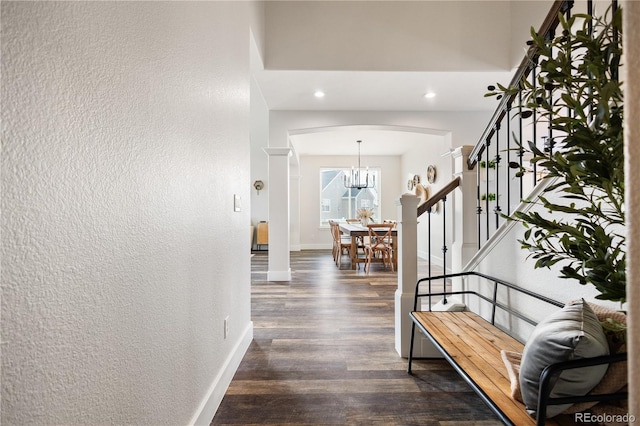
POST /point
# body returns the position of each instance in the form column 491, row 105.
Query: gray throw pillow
column 571, row 333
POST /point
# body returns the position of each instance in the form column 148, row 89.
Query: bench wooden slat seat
column 473, row 346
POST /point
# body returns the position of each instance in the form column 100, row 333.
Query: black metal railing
column 502, row 185
column 429, row 207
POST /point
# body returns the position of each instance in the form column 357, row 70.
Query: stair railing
column 498, row 151
column 429, row 207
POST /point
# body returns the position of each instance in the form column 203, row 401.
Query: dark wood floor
column 323, row 353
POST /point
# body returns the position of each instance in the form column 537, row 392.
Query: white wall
column 416, row 161
column 498, row 29
column 470, row 35
column 524, row 15
column 259, row 124
column 259, row 159
column 125, row 136
column 506, row 259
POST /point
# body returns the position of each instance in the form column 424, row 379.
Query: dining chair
column 341, row 244
column 359, row 240
column 380, row 241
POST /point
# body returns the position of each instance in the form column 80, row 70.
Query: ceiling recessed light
column 319, row 94
column 429, row 95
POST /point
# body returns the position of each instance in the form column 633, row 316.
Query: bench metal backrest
column 497, row 283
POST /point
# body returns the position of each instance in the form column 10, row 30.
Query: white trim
column 507, row 226
column 279, row 275
column 209, row 405
column 424, row 255
column 436, row 260
column 278, row 151
column 323, row 246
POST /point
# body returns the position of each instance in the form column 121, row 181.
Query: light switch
column 237, row 203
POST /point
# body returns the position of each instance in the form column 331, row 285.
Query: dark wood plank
column 324, row 353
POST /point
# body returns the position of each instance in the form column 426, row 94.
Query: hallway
column 323, row 353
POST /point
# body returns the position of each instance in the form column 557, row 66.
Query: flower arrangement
column 364, row 214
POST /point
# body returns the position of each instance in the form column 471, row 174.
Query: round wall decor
column 431, row 173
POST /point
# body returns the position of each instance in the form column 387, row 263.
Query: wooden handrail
column 548, row 26
column 446, row 190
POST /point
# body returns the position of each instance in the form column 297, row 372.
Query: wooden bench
column 472, row 346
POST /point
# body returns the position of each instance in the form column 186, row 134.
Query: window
column 340, row 203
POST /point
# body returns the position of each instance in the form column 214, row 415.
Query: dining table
column 355, row 231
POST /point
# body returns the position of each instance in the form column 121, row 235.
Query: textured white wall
column 125, row 135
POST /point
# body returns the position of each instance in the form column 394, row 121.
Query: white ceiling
column 349, row 90
column 378, row 91
column 372, row 91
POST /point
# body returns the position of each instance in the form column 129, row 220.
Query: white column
column 407, row 279
column 279, row 264
column 407, row 269
column 465, row 217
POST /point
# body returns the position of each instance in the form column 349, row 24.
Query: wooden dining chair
column 341, row 244
column 380, row 241
column 359, row 240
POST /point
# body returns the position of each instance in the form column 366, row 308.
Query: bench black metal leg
column 413, row 335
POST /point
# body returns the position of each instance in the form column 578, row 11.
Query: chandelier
column 358, row 180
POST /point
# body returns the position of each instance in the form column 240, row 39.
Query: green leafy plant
column 491, row 164
column 578, row 93
column 491, row 197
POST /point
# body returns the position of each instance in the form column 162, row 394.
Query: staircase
column 490, row 181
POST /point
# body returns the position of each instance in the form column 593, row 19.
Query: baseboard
column 211, row 402
column 423, row 254
column 279, row 275
column 315, row 246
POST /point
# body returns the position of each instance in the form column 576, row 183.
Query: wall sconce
column 258, row 185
